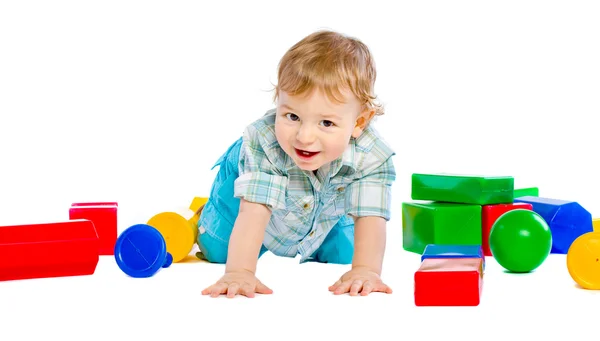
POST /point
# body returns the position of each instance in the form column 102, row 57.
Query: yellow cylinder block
column 583, row 260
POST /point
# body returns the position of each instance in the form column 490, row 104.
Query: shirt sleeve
column 260, row 181
column 371, row 194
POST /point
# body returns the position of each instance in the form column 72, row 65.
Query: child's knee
column 213, row 250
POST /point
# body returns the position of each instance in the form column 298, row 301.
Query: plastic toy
column 439, row 223
column 583, row 260
column 596, row 224
column 178, row 230
column 195, row 206
column 520, row 240
column 452, row 251
column 523, row 192
column 463, row 189
column 140, row 251
column 567, row 220
column 104, row 217
column 56, row 249
column 489, row 215
column 449, row 282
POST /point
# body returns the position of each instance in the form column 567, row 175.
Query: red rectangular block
column 489, row 215
column 104, row 217
column 48, row 250
column 449, row 282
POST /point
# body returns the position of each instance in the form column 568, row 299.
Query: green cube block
column 440, row 223
column 463, row 189
column 526, row 192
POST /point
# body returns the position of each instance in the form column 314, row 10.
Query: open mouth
column 305, row 154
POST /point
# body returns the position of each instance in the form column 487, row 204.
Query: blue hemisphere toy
column 140, row 251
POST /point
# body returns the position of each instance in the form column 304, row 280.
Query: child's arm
column 247, row 236
column 369, row 243
column 242, row 254
column 369, row 203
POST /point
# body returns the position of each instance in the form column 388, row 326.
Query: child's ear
column 362, row 121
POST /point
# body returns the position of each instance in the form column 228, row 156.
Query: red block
column 48, row 250
column 449, row 282
column 489, row 215
column 104, row 217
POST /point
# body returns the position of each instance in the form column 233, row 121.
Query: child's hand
column 237, row 282
column 359, row 279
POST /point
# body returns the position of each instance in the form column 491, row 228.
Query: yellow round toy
column 177, row 229
column 583, row 260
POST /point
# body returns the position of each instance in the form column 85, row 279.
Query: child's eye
column 327, row 123
column 291, row 116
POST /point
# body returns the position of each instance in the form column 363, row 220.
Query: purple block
column 567, row 220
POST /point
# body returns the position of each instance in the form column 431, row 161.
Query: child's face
column 313, row 130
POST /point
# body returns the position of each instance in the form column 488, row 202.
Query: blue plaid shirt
column 305, row 206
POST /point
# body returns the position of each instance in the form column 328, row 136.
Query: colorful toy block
column 463, row 189
column 596, row 224
column 453, row 251
column 582, row 261
column 426, row 223
column 104, row 217
column 567, row 220
column 141, row 251
column 197, row 202
column 489, row 215
column 57, row 249
column 449, row 282
column 524, row 192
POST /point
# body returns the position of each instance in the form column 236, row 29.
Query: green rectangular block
column 439, row 223
column 526, row 192
column 463, row 189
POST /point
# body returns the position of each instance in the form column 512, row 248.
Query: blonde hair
column 329, row 61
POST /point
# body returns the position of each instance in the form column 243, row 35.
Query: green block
column 463, row 189
column 439, row 223
column 526, row 192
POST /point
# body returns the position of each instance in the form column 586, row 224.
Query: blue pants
column 220, row 212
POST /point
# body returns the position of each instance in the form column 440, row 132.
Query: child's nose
column 305, row 135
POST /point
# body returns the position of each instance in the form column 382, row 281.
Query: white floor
column 545, row 303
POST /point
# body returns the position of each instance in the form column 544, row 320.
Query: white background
column 133, row 101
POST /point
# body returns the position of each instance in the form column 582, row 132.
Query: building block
column 426, row 223
column 453, row 251
column 141, row 251
column 463, row 189
column 178, row 229
column 567, row 220
column 596, row 224
column 198, row 202
column 449, row 282
column 56, row 249
column 195, row 205
column 582, row 261
column 104, row 217
column 489, row 215
column 524, row 192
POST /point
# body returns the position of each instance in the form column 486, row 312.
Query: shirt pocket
column 335, row 206
column 300, row 210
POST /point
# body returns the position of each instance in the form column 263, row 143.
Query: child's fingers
column 356, row 287
column 335, row 285
column 263, row 289
column 247, row 290
column 367, row 288
column 344, row 287
column 232, row 290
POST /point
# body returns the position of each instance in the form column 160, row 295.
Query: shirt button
column 306, row 206
column 340, row 189
column 311, row 233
